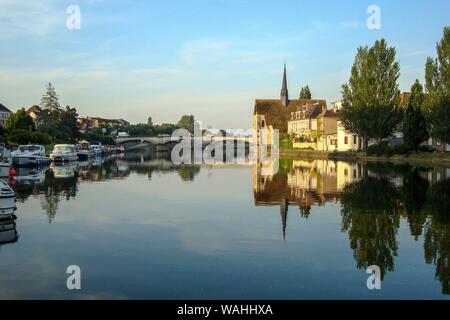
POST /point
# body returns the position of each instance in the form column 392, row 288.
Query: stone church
column 271, row 114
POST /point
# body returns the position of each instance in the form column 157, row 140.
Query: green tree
column 437, row 104
column 50, row 99
column 414, row 125
column 19, row 120
column 305, row 93
column 69, row 123
column 187, row 122
column 371, row 98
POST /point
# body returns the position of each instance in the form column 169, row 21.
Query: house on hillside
column 4, row 114
column 34, row 112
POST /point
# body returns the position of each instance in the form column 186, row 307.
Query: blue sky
column 134, row 59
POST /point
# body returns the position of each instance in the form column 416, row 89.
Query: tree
column 19, row 120
column 414, row 125
column 69, row 123
column 187, row 122
column 150, row 121
column 50, row 98
column 437, row 103
column 371, row 98
column 305, row 93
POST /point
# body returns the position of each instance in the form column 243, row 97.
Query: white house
column 4, row 113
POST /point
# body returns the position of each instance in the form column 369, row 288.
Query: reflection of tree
column 437, row 232
column 188, row 172
column 370, row 215
column 305, row 211
column 53, row 189
column 414, row 193
column 23, row 191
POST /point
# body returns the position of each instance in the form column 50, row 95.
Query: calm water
column 143, row 228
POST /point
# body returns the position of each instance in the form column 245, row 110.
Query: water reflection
column 372, row 202
column 374, row 198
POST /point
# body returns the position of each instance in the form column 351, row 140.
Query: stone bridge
column 139, row 142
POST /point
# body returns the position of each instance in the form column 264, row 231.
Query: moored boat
column 29, row 156
column 64, row 153
column 7, row 200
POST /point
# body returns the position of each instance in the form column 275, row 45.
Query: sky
column 209, row 58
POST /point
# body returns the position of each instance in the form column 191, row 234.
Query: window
column 355, row 140
column 346, row 172
column 346, row 140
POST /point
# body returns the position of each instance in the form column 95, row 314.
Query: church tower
column 284, row 96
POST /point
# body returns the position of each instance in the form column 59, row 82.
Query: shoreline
column 413, row 159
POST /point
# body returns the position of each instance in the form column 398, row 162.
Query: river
column 140, row 227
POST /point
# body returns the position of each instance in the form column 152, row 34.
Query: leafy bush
column 40, row 138
column 382, row 149
column 400, row 149
column 425, row 149
column 20, row 136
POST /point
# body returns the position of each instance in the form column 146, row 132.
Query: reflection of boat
column 84, row 151
column 8, row 232
column 4, row 169
column 96, row 149
column 7, row 200
column 5, row 162
column 30, row 174
column 64, row 171
column 64, row 153
column 29, row 156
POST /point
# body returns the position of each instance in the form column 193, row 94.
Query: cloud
column 29, row 18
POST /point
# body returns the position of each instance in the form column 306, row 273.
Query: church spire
column 284, row 96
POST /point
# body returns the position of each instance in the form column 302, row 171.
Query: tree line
column 60, row 125
column 371, row 98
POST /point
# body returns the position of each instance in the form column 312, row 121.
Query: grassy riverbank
column 412, row 158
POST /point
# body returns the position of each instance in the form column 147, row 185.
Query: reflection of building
column 303, row 184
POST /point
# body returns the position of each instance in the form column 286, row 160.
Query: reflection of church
column 304, row 184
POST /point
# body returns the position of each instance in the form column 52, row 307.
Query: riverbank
column 436, row 158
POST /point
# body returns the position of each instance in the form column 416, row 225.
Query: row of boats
column 36, row 155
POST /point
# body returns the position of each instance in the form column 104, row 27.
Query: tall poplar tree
column 371, row 98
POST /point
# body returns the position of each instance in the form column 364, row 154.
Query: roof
column 277, row 115
column 331, row 114
column 404, row 98
column 4, row 109
column 36, row 109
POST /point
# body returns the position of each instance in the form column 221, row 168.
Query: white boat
column 64, row 153
column 29, row 156
column 7, row 200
